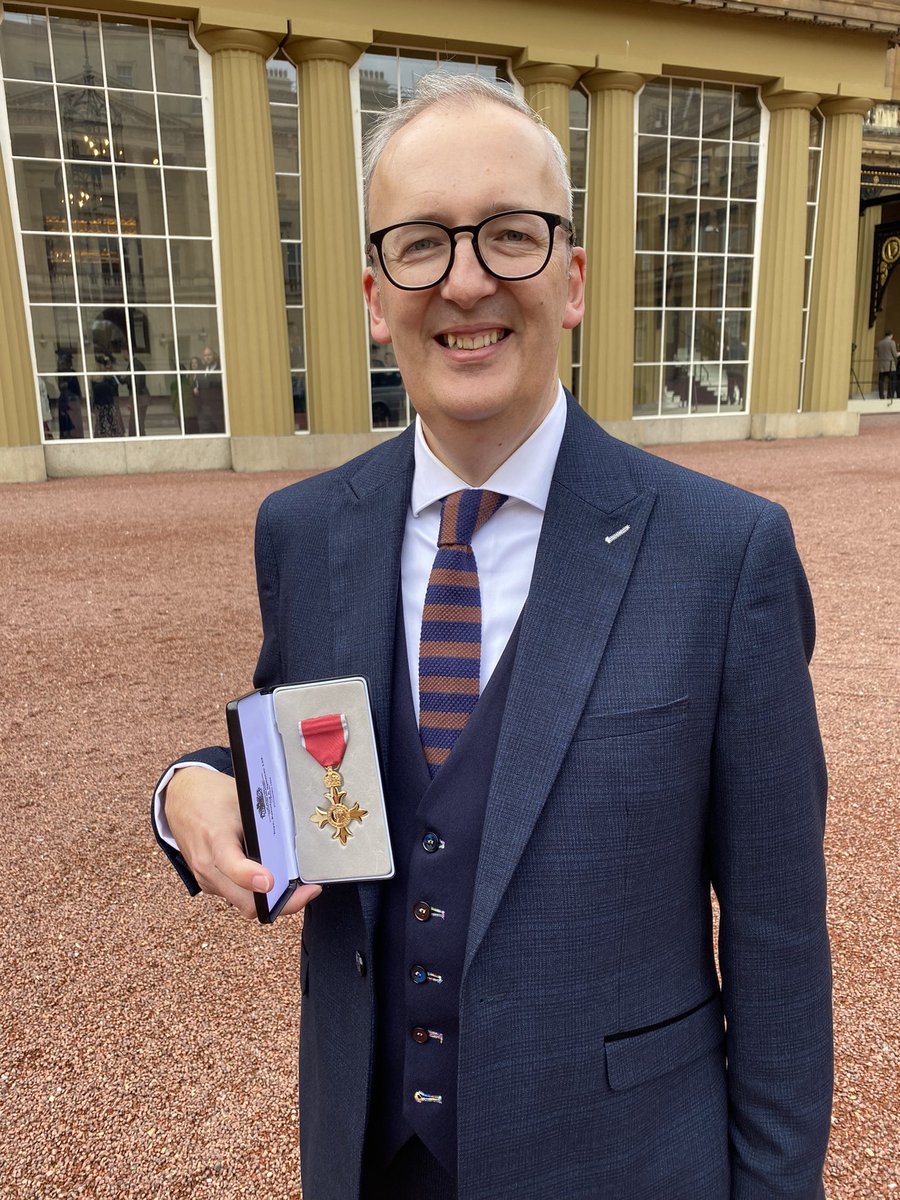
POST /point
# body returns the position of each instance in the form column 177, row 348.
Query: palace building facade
column 181, row 229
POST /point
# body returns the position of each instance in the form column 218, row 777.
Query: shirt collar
column 525, row 475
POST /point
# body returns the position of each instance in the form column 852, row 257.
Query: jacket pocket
column 640, row 720
column 634, row 1058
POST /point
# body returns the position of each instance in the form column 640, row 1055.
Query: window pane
column 32, row 120
column 85, row 123
column 714, row 169
column 685, row 110
column 647, row 336
column 742, row 222
column 578, row 156
column 712, row 226
column 744, row 168
column 98, row 268
column 296, row 338
column 293, row 277
column 578, row 108
column 187, row 202
column 140, row 200
column 813, row 175
column 378, row 74
column 126, row 48
column 677, row 335
column 739, row 282
column 192, row 272
column 682, row 225
column 717, row 112
column 285, row 136
column 746, row 115
column 578, row 217
column 651, row 216
column 653, row 108
column 646, row 391
column 48, row 268
column 649, row 273
column 146, row 270
column 24, row 48
column 134, row 131
column 196, row 328
column 388, row 400
column 651, row 172
column 684, row 167
column 412, row 68
column 680, row 280
column 76, row 50
column 282, row 80
column 56, row 334
column 288, row 189
column 181, row 130
column 710, row 282
column 175, row 60
column 737, row 340
column 708, row 335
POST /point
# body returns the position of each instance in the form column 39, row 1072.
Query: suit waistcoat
column 436, row 835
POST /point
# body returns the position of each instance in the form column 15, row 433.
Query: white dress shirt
column 504, row 549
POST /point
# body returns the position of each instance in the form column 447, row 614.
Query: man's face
column 208, row 357
column 458, row 165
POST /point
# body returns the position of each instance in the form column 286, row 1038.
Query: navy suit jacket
column 659, row 739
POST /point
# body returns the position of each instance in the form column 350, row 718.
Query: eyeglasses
column 510, row 245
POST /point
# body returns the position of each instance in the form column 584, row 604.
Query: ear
column 377, row 319
column 575, row 300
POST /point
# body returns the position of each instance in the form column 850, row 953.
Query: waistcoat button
column 418, row 974
column 431, row 842
column 420, row 1035
column 422, row 911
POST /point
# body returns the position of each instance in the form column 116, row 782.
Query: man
column 207, row 392
column 531, row 1007
column 886, row 353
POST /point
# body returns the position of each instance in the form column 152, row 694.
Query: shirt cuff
column 159, row 801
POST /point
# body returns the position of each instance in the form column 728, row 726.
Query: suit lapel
column 366, row 536
column 592, row 530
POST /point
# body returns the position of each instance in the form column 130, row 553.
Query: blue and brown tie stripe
column 450, row 648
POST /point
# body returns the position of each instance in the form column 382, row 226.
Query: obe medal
column 325, row 739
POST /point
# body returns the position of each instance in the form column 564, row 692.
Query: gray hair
column 438, row 89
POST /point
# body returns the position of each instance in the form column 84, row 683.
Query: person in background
column 886, row 355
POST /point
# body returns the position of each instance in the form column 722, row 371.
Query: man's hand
column 203, row 815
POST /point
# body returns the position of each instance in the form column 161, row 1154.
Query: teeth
column 455, row 342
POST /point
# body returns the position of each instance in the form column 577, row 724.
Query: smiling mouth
column 476, row 341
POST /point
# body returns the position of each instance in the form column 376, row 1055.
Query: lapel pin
column 612, row 537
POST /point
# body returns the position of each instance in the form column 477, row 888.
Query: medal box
column 309, row 785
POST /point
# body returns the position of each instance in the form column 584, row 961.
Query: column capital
column 216, row 38
column 613, row 81
column 777, row 98
column 535, row 73
column 303, row 49
column 838, row 106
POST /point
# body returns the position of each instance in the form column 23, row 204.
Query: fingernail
column 260, row 883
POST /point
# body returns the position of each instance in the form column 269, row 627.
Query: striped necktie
column 450, row 649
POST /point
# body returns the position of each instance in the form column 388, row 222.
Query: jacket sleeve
column 767, row 866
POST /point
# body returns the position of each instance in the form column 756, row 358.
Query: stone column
column 255, row 351
column 21, row 455
column 828, row 343
column 337, row 363
column 547, row 87
column 607, row 372
column 863, row 360
column 779, row 308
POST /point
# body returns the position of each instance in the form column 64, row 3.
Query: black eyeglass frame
column 554, row 222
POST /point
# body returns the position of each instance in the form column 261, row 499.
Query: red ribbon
column 325, row 738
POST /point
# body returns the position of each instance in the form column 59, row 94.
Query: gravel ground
column 148, row 1042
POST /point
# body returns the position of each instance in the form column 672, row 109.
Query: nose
column 467, row 282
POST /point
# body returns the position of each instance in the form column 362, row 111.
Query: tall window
column 108, row 145
column 697, row 183
column 816, row 128
column 579, row 116
column 388, row 76
column 286, row 134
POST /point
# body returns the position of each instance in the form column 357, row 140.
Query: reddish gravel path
column 147, row 1043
